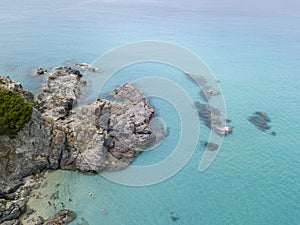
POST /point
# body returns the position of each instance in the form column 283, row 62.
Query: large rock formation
column 104, row 134
column 29, row 151
column 60, row 92
column 90, row 138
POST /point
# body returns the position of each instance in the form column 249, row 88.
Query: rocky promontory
column 60, row 134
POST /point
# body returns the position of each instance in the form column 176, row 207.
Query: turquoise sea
column 253, row 49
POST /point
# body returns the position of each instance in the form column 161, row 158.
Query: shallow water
column 255, row 177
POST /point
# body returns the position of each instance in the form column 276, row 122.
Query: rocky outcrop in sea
column 210, row 116
column 261, row 121
column 90, row 138
column 62, row 217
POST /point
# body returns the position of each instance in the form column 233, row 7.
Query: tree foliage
column 14, row 112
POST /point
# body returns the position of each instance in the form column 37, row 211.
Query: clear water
column 254, row 50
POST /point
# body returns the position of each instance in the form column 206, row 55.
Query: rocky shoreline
column 103, row 135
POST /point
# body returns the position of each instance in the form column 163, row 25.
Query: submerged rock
column 174, row 217
column 203, row 96
column 211, row 146
column 211, row 118
column 83, row 222
column 198, row 79
column 260, row 120
column 55, row 195
column 206, row 91
column 209, row 115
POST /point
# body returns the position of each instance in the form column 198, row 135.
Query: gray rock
column 40, row 71
column 57, row 148
column 12, row 209
column 104, row 132
column 9, row 187
column 11, row 222
column 7, row 83
column 87, row 138
column 91, row 138
column 60, row 93
column 62, row 217
column 128, row 92
column 28, row 152
column 86, row 67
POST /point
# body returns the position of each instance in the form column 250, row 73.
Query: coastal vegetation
column 15, row 112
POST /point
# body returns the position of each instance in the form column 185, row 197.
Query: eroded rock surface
column 62, row 217
column 90, row 138
column 60, row 92
column 102, row 133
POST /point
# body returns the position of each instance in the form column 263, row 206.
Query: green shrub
column 14, row 112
